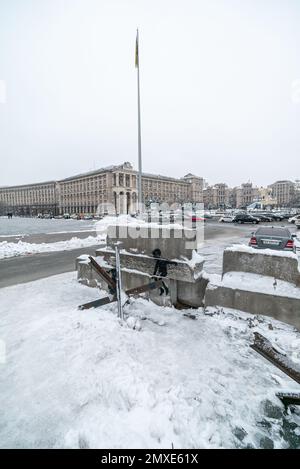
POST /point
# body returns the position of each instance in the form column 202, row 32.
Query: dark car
column 263, row 218
column 275, row 216
column 273, row 237
column 283, row 215
column 245, row 218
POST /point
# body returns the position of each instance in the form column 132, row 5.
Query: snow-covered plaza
column 77, row 379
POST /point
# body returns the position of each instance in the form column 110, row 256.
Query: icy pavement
column 212, row 253
column 81, row 379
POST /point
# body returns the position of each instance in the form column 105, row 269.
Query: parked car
column 226, row 219
column 297, row 223
column 263, row 218
column 273, row 237
column 274, row 216
column 294, row 219
column 284, row 215
column 245, row 218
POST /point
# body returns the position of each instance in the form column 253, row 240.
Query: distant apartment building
column 221, row 196
column 283, row 192
column 113, row 186
column 29, row 199
column 297, row 193
column 157, row 188
column 245, row 195
column 216, row 196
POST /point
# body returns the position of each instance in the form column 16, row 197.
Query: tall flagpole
column 137, row 64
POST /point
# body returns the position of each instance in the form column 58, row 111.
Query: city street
column 149, row 228
column 24, row 269
column 30, row 267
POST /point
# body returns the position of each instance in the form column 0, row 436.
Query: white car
column 294, row 219
column 226, row 219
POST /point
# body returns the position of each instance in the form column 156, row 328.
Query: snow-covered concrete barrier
column 259, row 282
column 85, row 273
column 257, row 295
column 173, row 241
column 281, row 265
column 184, row 280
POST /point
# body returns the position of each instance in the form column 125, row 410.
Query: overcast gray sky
column 220, row 84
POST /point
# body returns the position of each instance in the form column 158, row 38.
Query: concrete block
column 282, row 308
column 145, row 264
column 138, row 269
column 85, row 274
column 173, row 242
column 276, row 266
column 192, row 293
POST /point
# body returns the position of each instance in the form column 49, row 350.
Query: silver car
column 273, row 237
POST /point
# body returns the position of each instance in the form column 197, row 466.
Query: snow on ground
column 254, row 283
column 28, row 226
column 21, row 248
column 128, row 220
column 265, row 252
column 212, row 252
column 81, row 379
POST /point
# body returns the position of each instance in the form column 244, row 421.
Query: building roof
column 94, row 172
column 20, row 186
column 166, row 178
column 125, row 166
column 282, row 182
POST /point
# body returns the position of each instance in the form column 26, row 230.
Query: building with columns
column 113, row 187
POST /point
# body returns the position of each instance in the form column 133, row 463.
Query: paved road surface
column 32, row 267
column 38, row 238
column 27, row 268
